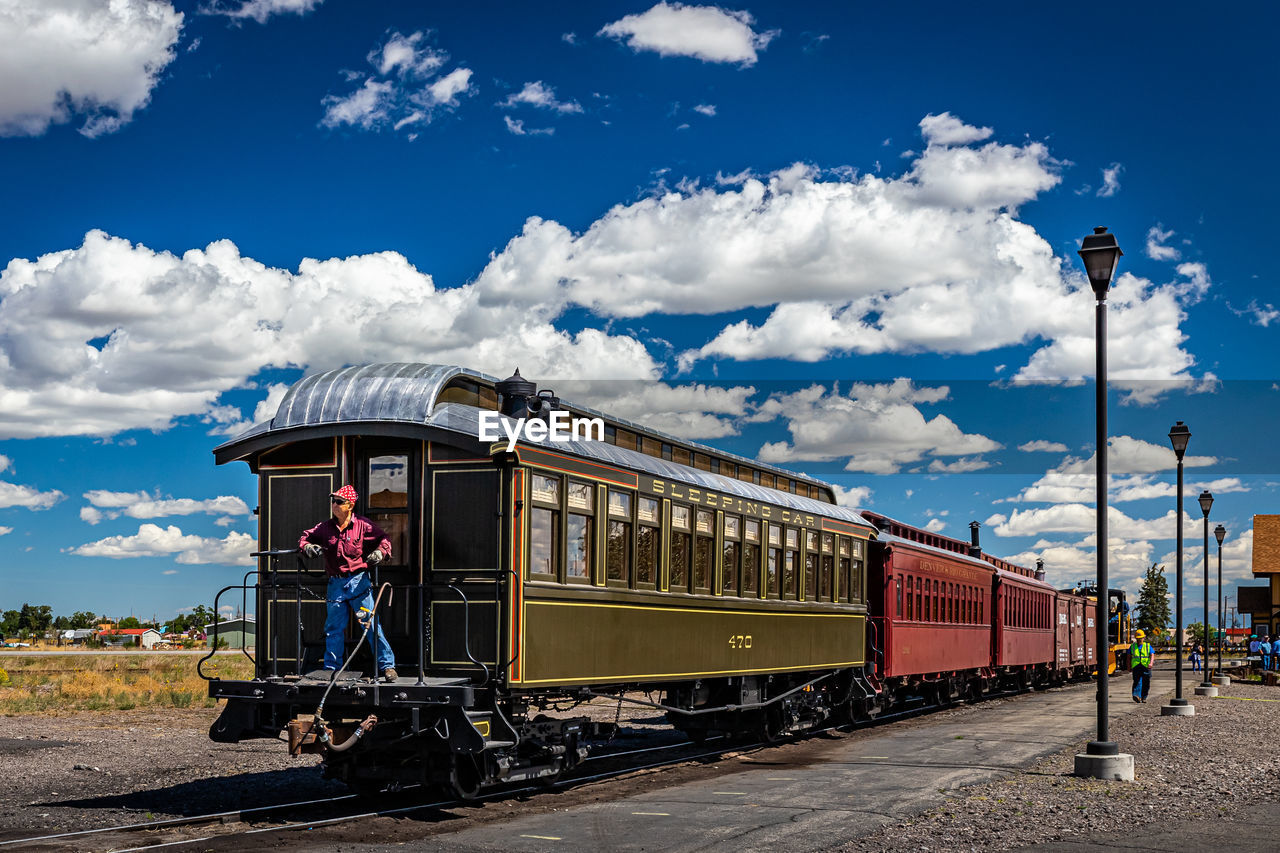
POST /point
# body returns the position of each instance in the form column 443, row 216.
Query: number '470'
column 740, row 641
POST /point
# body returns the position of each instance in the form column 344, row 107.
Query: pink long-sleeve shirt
column 344, row 550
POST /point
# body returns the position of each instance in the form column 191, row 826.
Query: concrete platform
column 891, row 773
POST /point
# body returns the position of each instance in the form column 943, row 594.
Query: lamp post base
column 1174, row 709
column 1115, row 768
column 1222, row 680
column 1207, row 690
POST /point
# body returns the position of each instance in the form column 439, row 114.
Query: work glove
column 374, row 558
column 311, row 549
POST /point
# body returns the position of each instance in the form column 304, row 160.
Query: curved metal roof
column 406, row 393
column 370, row 392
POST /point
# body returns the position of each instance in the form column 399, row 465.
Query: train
column 557, row 565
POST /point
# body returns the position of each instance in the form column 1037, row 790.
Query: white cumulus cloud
column 1157, row 237
column 709, row 33
column 113, row 336
column 539, row 94
column 406, row 87
column 259, row 10
column 878, row 427
column 151, row 540
column 107, row 504
column 77, row 59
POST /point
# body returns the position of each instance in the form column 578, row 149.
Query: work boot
column 389, row 675
column 1136, row 699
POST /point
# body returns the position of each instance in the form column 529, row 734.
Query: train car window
column 790, row 569
column 647, row 510
column 919, row 615
column 933, row 611
column 703, row 551
column 578, row 564
column 792, row 486
column 648, row 543
column 702, row 461
column 470, row 393
column 667, row 451
column 714, row 466
column 897, row 587
column 775, row 534
column 619, row 504
column 681, row 549
column 581, row 496
column 650, row 446
column 388, row 502
column 825, row 577
column 810, row 590
column 755, row 477
column 544, row 543
column 617, row 561
column 681, row 456
column 544, row 527
column 745, row 474
column 731, row 556
column 750, row 557
column 856, row 592
column 768, row 481
column 844, row 578
column 610, row 434
column 625, row 438
column 773, row 572
column 545, row 489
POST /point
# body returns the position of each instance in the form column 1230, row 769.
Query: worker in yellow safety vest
column 1140, row 658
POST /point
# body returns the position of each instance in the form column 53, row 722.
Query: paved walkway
column 895, row 772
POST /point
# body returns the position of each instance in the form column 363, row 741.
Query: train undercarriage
column 461, row 740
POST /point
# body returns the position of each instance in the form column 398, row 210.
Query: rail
column 303, row 583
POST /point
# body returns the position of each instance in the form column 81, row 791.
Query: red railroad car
column 937, row 610
column 1025, row 614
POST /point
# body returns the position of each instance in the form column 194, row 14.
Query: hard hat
column 1139, row 633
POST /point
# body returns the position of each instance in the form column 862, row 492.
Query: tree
column 9, row 623
column 1195, row 632
column 129, row 622
column 83, row 619
column 1153, row 602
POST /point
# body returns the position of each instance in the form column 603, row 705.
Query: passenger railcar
column 529, row 572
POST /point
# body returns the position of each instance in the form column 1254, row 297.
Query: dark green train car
column 531, row 570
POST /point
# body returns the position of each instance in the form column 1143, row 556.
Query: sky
column 835, row 237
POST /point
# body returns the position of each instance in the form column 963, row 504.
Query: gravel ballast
column 1210, row 766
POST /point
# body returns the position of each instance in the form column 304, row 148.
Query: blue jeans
column 351, row 591
column 1141, row 682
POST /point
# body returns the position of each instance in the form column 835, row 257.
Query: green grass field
column 34, row 684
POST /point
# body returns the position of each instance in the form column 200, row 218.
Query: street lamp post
column 1220, row 533
column 1101, row 253
column 1179, row 437
column 1206, row 687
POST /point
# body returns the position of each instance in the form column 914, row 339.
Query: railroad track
column 244, row 823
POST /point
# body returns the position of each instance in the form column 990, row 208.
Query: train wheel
column 770, row 729
column 465, row 778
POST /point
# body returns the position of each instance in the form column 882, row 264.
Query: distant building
column 1263, row 602
column 76, row 636
column 239, row 633
column 143, row 637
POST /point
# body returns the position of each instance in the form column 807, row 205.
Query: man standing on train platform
column 1141, row 656
column 350, row 544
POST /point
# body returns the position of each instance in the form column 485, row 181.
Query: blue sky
column 838, row 238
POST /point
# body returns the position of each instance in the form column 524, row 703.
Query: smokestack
column 975, row 550
column 1039, row 569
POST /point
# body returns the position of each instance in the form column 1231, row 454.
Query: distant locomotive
column 527, row 572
